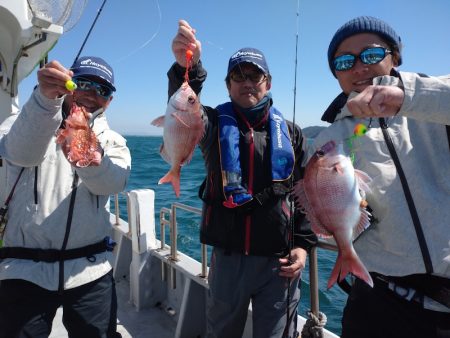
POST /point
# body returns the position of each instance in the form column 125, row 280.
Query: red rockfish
column 183, row 129
column 78, row 138
column 331, row 194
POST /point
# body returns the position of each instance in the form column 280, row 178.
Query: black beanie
column 363, row 24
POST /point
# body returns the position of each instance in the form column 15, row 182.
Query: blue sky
column 135, row 38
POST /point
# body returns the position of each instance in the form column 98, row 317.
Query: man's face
column 248, row 85
column 361, row 75
column 88, row 95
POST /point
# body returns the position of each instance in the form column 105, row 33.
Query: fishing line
column 149, row 40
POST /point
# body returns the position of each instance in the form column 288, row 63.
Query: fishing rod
column 289, row 316
column 90, row 30
column 70, row 85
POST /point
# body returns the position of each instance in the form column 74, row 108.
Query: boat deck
column 149, row 322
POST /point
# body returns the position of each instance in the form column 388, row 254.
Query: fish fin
column 164, row 155
column 349, row 263
column 317, row 226
column 363, row 224
column 177, row 117
column 159, row 121
column 173, row 177
column 303, row 204
column 188, row 158
column 363, row 180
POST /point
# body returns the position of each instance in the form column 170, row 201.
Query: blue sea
column 148, row 167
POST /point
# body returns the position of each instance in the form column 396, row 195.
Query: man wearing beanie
column 56, row 247
column 249, row 161
column 406, row 153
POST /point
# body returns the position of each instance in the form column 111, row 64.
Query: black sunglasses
column 368, row 56
column 255, row 77
column 85, row 85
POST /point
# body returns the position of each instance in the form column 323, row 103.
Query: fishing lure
column 189, row 55
column 70, row 85
column 359, row 130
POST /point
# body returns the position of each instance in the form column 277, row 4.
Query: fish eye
column 320, row 153
column 191, row 99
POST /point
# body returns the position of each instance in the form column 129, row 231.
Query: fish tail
column 173, row 177
column 349, row 264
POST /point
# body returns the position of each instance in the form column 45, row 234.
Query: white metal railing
column 168, row 217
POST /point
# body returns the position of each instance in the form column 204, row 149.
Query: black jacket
column 269, row 211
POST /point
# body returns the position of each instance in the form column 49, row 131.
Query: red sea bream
column 183, row 129
column 331, row 194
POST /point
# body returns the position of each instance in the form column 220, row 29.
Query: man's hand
column 376, row 101
column 184, row 40
column 52, row 80
column 294, row 268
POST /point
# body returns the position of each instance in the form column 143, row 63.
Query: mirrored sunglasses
column 368, row 56
column 85, row 85
column 255, row 77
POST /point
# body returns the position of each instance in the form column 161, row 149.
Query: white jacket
column 39, row 208
column 418, row 131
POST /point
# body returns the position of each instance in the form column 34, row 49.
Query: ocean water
column 148, row 167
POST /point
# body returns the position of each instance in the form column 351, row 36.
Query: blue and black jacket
column 260, row 227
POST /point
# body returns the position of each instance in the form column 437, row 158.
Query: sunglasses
column 255, row 77
column 369, row 56
column 85, row 85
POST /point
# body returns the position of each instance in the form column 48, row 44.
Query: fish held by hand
column 332, row 196
column 77, row 139
column 183, row 129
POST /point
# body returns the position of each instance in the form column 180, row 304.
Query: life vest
column 281, row 152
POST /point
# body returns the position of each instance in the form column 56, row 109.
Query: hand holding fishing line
column 376, row 101
column 185, row 40
column 55, row 80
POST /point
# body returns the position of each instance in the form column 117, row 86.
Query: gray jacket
column 38, row 212
column 418, row 131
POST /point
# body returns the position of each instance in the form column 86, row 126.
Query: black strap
column 55, row 255
column 66, row 235
column 409, row 199
column 434, row 287
column 4, row 208
column 448, row 136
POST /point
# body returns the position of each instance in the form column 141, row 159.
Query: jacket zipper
column 248, row 218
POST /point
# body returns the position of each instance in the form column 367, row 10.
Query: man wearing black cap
column 56, row 250
column 246, row 217
column 406, row 152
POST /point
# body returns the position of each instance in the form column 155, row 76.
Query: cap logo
column 90, row 63
column 245, row 53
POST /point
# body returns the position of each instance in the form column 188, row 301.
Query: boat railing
column 168, row 217
column 173, row 228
